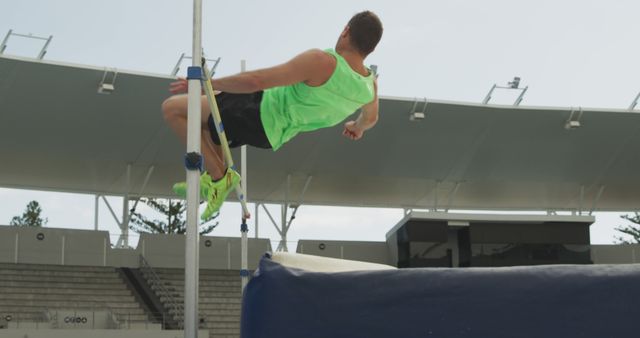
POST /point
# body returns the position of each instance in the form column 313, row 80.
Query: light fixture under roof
column 573, row 122
column 414, row 114
column 108, row 83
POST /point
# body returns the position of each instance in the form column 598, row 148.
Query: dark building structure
column 479, row 240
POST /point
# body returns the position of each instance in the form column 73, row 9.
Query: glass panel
column 429, row 254
column 509, row 254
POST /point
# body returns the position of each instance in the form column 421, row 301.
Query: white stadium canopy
column 58, row 133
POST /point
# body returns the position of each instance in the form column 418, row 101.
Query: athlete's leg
column 175, row 114
column 218, row 149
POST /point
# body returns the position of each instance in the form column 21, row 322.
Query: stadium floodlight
column 515, row 84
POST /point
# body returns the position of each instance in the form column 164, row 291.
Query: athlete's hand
column 352, row 131
column 179, row 87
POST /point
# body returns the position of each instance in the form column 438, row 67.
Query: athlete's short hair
column 365, row 31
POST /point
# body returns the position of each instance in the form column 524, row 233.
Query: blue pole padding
column 194, row 73
column 194, row 161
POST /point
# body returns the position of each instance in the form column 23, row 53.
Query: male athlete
column 268, row 107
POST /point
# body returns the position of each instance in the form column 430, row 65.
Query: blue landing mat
column 538, row 302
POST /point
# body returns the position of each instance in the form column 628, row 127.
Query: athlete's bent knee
column 171, row 108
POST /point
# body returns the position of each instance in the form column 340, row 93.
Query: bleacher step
column 52, row 267
column 62, row 285
column 94, row 274
column 63, row 291
column 66, row 297
column 64, row 279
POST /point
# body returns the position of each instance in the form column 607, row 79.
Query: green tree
column 31, row 217
column 173, row 218
column 630, row 230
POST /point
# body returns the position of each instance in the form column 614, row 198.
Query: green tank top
column 288, row 110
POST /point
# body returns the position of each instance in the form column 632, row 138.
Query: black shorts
column 241, row 120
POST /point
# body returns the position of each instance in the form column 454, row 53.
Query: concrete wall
column 374, row 252
column 7, row 245
column 53, row 246
column 167, row 251
column 93, row 248
column 60, row 333
column 125, row 258
column 615, row 254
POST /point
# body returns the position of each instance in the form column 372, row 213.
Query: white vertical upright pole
column 16, row 248
column 95, row 214
column 244, row 273
column 62, row 251
column 125, row 208
column 104, row 251
column 228, row 255
column 125, row 221
column 193, row 184
column 243, row 149
column 255, row 224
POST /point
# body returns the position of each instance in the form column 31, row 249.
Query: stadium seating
column 33, row 293
column 219, row 301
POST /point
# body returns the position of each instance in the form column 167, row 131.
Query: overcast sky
column 569, row 53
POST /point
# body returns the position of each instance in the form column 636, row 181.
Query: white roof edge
column 88, row 67
column 499, row 218
column 337, row 241
column 318, row 203
column 447, row 216
column 393, row 98
column 503, row 106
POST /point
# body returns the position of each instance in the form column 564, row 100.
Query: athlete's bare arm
column 366, row 120
column 313, row 67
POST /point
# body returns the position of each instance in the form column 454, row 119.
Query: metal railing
column 43, row 51
column 158, row 286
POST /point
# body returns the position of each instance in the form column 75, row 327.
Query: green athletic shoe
column 180, row 188
column 218, row 192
